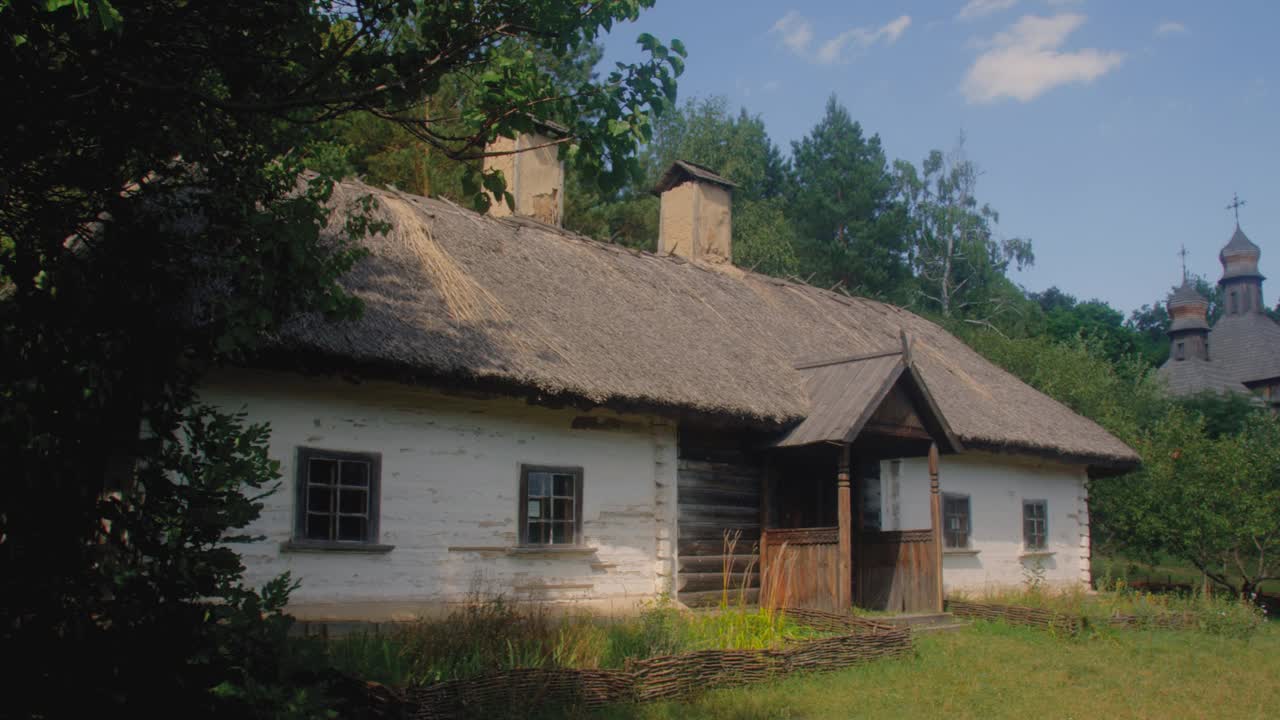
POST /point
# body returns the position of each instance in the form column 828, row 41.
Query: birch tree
column 959, row 262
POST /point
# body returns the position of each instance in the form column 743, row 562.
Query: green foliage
column 1214, row 501
column 852, row 229
column 152, row 227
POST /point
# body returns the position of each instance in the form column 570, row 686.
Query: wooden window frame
column 968, row 521
column 373, row 513
column 1027, row 543
column 523, row 509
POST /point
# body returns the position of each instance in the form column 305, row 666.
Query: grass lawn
column 995, row 671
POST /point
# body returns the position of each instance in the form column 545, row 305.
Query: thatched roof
column 511, row 302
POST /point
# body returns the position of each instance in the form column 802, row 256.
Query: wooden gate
column 896, row 571
column 799, row 568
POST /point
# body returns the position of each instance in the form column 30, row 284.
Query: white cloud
column 795, row 31
column 1170, row 27
column 981, row 8
column 1025, row 61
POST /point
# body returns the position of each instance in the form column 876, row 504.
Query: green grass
column 995, row 671
column 494, row 635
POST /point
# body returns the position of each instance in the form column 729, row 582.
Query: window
column 550, row 505
column 1035, row 524
column 337, row 496
column 1235, row 302
column 955, row 521
column 1181, row 352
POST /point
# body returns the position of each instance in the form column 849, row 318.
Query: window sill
column 551, row 550
column 1037, row 553
column 964, row 552
column 334, row 547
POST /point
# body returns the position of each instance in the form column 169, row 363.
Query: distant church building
column 1241, row 352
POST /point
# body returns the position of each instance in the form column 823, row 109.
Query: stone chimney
column 534, row 174
column 695, row 220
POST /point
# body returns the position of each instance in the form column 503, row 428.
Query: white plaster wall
column 450, row 475
column 996, row 486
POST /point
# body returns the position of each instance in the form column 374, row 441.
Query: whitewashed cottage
column 526, row 411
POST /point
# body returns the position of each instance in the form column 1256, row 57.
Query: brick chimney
column 534, row 174
column 695, row 220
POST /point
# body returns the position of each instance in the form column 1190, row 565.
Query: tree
column 1066, row 318
column 960, row 265
column 152, row 227
column 1212, row 501
column 384, row 153
column 852, row 230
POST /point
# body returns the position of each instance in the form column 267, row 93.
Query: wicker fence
column 1018, row 615
column 1068, row 624
column 521, row 692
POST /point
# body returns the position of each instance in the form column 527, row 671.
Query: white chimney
column 534, row 175
column 695, row 219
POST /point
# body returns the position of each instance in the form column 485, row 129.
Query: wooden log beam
column 935, row 511
column 844, row 562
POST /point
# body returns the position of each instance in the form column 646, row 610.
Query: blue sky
column 1110, row 133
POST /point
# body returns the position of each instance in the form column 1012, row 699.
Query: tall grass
column 1214, row 614
column 493, row 634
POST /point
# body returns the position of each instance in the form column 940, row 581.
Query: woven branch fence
column 1018, row 615
column 1068, row 624
column 521, row 692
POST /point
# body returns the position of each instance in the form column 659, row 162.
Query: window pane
column 539, row 484
column 353, row 501
column 534, row 509
column 355, row 473
column 351, row 528
column 564, row 485
column 537, row 533
column 562, row 532
column 321, row 472
column 317, row 527
column 562, row 509
column 319, row 499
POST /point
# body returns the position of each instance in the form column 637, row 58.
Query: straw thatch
column 513, row 303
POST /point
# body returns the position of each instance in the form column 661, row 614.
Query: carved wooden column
column 935, row 507
column 844, row 566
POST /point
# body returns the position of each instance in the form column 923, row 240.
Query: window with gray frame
column 550, row 505
column 1035, row 524
column 337, row 496
column 955, row 521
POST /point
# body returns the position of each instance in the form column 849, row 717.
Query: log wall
column 718, row 489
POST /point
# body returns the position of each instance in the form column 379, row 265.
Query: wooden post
column 935, row 506
column 844, row 564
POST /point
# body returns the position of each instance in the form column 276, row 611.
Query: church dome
column 1188, row 308
column 1240, row 257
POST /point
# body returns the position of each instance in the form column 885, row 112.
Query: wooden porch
column 835, row 567
column 809, row 514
